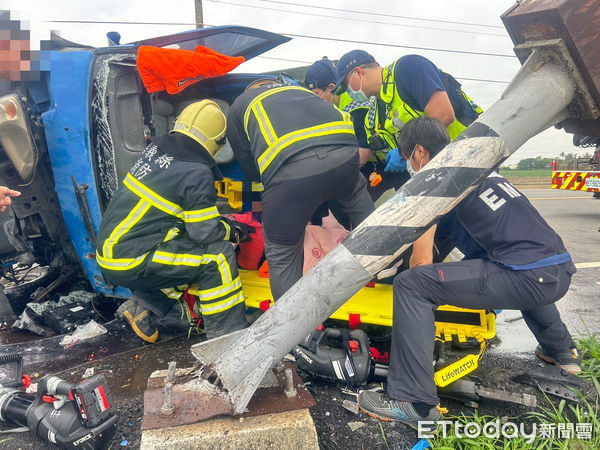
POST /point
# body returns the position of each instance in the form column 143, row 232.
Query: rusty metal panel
column 577, row 22
column 195, row 406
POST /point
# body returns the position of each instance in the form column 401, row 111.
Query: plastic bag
column 87, row 331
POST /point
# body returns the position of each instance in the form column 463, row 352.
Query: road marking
column 560, row 198
column 587, row 265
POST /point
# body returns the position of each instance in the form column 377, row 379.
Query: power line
column 458, row 78
column 351, row 19
column 385, row 15
column 304, row 36
column 484, row 80
column 294, row 35
column 113, row 22
column 443, row 50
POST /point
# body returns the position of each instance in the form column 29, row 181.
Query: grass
column 590, row 355
column 541, row 173
column 585, row 412
column 384, row 438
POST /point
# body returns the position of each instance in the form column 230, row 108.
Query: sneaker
column 139, row 319
column 381, row 406
column 568, row 359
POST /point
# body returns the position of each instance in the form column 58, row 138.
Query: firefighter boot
column 139, row 319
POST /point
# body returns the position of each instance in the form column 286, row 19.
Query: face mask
column 357, row 96
column 322, row 96
column 412, row 172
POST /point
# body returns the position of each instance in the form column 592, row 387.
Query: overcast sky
column 481, row 31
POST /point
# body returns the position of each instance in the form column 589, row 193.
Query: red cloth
column 251, row 252
column 174, row 70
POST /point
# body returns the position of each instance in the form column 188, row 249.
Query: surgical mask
column 322, row 96
column 357, row 96
column 412, row 172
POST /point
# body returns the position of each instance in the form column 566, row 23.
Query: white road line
column 587, row 265
column 560, row 198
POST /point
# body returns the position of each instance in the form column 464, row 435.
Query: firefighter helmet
column 205, row 123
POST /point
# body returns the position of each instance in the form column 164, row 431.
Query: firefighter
column 304, row 152
column 513, row 260
column 410, row 87
column 162, row 230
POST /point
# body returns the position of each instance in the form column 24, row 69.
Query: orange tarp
column 173, row 70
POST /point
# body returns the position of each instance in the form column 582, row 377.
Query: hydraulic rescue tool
column 68, row 415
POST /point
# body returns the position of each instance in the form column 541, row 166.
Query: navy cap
column 320, row 74
column 347, row 63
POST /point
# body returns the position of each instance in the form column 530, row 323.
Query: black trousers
column 388, row 180
column 291, row 198
column 475, row 284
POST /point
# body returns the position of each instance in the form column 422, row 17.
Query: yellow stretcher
column 373, row 305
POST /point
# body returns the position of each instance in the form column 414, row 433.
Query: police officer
column 304, row 152
column 162, row 230
column 410, row 87
column 514, row 260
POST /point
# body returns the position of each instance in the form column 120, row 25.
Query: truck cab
column 67, row 141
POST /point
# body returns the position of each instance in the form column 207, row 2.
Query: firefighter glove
column 240, row 232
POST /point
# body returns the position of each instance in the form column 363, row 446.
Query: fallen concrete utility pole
column 552, row 85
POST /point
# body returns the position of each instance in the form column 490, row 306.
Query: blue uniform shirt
column 497, row 223
column 417, row 79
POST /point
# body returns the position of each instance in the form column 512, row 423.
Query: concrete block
column 289, row 429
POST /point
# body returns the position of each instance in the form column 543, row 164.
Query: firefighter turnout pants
column 166, row 272
column 475, row 284
column 295, row 193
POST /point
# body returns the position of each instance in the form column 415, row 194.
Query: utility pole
column 199, row 15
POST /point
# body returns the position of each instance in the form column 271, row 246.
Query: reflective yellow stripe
column 568, row 180
column 119, row 263
column 167, row 206
column 187, row 259
column 209, row 294
column 201, row 214
column 171, row 293
column 227, row 230
column 266, row 94
column 224, row 305
column 257, row 186
column 265, row 124
column 306, row 133
column 152, row 197
column 172, row 234
column 132, row 218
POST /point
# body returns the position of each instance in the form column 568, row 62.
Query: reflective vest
column 398, row 112
column 345, row 100
column 284, row 121
column 348, row 105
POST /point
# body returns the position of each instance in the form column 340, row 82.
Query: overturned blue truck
column 67, row 141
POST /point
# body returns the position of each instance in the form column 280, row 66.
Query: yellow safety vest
column 398, row 112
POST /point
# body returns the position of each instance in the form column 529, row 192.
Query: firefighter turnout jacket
column 268, row 125
column 162, row 231
column 161, row 197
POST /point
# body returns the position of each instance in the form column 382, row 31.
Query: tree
column 535, row 163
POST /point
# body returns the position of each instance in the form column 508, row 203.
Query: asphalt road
column 576, row 218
